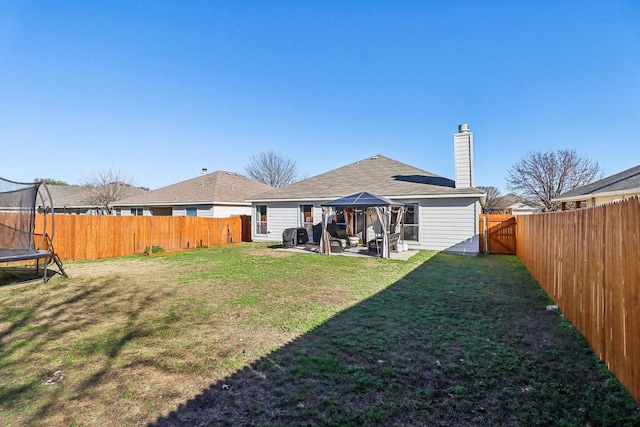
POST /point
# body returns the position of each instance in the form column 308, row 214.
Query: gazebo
column 375, row 220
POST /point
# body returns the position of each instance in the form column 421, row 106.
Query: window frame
column 306, row 220
column 415, row 225
column 261, row 220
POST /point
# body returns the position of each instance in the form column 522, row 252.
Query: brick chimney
column 463, row 154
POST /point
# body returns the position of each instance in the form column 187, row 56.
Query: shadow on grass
column 458, row 341
column 31, row 328
column 23, row 335
column 11, row 276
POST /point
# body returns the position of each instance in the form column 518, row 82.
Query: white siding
column 279, row 218
column 597, row 201
column 463, row 154
column 205, row 211
column 317, row 218
column 449, row 225
column 225, row 211
column 127, row 211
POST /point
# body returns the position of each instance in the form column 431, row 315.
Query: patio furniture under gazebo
column 388, row 231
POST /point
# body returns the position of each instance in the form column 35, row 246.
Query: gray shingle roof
column 76, row 196
column 379, row 175
column 215, row 187
column 623, row 181
column 67, row 195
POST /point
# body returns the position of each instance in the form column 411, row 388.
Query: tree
column 106, row 187
column 50, row 181
column 539, row 177
column 273, row 169
column 493, row 197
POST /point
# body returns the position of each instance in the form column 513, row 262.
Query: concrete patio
column 359, row 251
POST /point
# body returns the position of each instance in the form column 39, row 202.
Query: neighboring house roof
column 506, row 201
column 218, row 187
column 524, row 207
column 76, row 196
column 513, row 201
column 378, row 175
column 625, row 182
column 67, row 195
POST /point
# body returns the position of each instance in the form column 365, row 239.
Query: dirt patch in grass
column 247, row 335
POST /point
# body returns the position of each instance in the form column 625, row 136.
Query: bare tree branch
column 273, row 169
column 539, row 177
column 106, row 187
column 493, row 196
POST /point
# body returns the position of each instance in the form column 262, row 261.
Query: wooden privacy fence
column 497, row 234
column 80, row 237
column 587, row 260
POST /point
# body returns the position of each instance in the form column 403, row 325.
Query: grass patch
column 246, row 334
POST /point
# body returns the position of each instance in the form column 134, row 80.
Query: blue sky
column 160, row 89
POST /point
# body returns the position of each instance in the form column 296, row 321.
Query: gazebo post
column 324, row 240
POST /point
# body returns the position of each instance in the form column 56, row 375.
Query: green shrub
column 154, row 250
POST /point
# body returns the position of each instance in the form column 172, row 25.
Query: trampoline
column 19, row 239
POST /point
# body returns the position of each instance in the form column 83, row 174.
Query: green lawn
column 247, row 334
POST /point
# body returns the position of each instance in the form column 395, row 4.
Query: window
column 306, row 215
column 192, row 211
column 118, row 211
column 261, row 219
column 136, row 211
column 411, row 221
column 306, row 219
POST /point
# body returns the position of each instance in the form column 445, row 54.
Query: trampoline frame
column 48, row 254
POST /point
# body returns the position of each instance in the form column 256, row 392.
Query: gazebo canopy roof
column 362, row 199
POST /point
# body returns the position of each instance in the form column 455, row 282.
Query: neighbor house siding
column 127, row 211
column 449, row 225
column 600, row 200
column 225, row 211
column 205, row 211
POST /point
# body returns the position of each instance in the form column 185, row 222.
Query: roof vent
column 374, row 158
column 204, row 171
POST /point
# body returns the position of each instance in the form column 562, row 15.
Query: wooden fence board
column 500, row 234
column 84, row 237
column 587, row 261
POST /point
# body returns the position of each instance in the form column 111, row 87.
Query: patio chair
column 337, row 238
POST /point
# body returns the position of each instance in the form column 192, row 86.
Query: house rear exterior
column 441, row 214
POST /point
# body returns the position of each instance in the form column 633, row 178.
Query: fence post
column 486, row 232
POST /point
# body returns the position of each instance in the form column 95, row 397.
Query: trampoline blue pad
column 10, row 255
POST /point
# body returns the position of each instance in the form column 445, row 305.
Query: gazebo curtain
column 324, row 241
column 384, row 218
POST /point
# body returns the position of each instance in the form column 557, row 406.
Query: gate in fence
column 497, row 234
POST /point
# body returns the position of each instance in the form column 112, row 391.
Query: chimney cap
column 463, row 127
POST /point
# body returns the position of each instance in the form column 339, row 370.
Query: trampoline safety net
column 17, row 217
column 19, row 203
